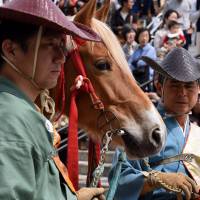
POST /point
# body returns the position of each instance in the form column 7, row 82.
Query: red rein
column 82, row 83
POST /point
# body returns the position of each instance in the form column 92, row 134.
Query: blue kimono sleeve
column 151, row 53
column 131, row 179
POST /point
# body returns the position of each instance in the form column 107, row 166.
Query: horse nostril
column 155, row 137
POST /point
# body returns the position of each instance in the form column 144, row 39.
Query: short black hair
column 173, row 23
column 17, row 32
column 127, row 29
column 121, row 2
column 139, row 31
column 20, row 33
column 161, row 79
column 169, row 12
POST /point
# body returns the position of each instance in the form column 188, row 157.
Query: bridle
column 107, row 122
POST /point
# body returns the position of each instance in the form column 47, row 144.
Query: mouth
column 181, row 102
column 55, row 72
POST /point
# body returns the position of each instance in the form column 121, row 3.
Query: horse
column 108, row 70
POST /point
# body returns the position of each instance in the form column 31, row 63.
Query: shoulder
column 195, row 127
column 149, row 47
column 19, row 119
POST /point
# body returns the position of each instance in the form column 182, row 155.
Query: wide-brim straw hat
column 178, row 64
column 47, row 14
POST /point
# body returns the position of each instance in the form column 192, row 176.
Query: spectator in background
column 130, row 43
column 121, row 17
column 144, row 9
column 174, row 38
column 198, row 28
column 195, row 116
column 67, row 6
column 160, row 34
column 139, row 68
column 70, row 7
column 184, row 8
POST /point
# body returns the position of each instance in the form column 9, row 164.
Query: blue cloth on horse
column 131, row 180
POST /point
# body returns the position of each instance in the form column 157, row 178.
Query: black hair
column 172, row 23
column 168, row 13
column 161, row 79
column 20, row 33
column 17, row 32
column 139, row 31
column 121, row 2
column 127, row 29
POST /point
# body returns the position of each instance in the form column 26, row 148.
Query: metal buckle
column 188, row 157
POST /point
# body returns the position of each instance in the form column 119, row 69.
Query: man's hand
column 179, row 180
column 90, row 194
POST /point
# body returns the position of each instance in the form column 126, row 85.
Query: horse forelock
column 112, row 44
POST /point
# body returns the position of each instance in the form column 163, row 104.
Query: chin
column 50, row 85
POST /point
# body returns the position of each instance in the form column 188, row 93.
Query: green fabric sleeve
column 17, row 170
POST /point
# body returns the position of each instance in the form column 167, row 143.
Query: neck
column 23, row 84
column 181, row 120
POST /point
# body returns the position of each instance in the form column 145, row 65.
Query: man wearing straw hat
column 174, row 173
column 32, row 38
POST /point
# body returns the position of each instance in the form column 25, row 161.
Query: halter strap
column 82, row 83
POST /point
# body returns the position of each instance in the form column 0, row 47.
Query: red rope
column 72, row 149
column 72, row 154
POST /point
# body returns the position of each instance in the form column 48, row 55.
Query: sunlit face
column 49, row 60
column 179, row 97
column 130, row 37
column 143, row 38
column 172, row 17
column 175, row 29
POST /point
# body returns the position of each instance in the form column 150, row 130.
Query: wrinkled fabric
column 27, row 170
column 131, row 180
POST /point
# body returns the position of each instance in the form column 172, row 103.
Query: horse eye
column 103, row 65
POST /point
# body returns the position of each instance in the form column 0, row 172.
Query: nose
column 155, row 137
column 60, row 56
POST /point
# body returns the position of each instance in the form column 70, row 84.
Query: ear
column 159, row 88
column 102, row 13
column 8, row 49
column 85, row 15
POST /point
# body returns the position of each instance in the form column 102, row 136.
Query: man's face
column 130, row 37
column 49, row 60
column 179, row 97
column 143, row 38
column 129, row 4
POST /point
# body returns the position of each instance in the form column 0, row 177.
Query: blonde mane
column 112, row 43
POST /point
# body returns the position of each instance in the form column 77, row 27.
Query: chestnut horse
column 108, row 70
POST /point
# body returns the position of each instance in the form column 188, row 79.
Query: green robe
column 27, row 170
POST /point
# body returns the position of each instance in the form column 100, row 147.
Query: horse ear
column 85, row 15
column 102, row 13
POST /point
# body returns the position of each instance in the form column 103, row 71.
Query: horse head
column 108, row 70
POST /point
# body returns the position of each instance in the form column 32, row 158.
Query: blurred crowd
column 149, row 28
column 134, row 22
